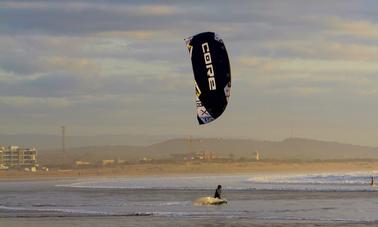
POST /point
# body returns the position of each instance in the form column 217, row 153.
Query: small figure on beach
column 372, row 183
column 218, row 192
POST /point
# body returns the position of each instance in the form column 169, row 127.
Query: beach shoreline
column 195, row 168
column 162, row 221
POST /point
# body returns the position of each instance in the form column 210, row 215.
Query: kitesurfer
column 372, row 183
column 218, row 192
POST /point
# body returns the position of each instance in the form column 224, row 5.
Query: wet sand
column 159, row 221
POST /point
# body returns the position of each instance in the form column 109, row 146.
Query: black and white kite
column 212, row 75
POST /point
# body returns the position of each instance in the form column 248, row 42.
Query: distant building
column 145, row 160
column 194, row 156
column 16, row 157
column 80, row 163
column 120, row 161
column 107, row 162
column 31, row 169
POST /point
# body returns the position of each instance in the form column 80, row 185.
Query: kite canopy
column 212, row 75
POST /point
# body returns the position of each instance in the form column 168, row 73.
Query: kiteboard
column 209, row 201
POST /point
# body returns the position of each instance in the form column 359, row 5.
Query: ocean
column 333, row 199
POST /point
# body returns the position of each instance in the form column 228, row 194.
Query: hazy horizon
column 45, row 142
column 299, row 69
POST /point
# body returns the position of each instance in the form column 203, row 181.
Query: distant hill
column 289, row 149
column 50, row 142
column 293, row 148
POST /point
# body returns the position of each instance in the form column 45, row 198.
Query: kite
column 212, row 74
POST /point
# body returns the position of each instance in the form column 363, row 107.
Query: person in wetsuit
column 218, row 192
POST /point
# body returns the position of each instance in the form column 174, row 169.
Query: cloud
column 131, row 34
column 81, row 66
column 355, row 28
column 322, row 49
column 299, row 77
column 23, row 102
column 299, row 65
column 144, row 10
column 157, row 10
column 83, row 17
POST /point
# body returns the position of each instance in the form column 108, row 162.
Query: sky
column 299, row 68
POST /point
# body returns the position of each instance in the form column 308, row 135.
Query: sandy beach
column 152, row 169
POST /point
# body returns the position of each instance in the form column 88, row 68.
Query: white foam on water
column 351, row 178
column 351, row 181
column 162, row 183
